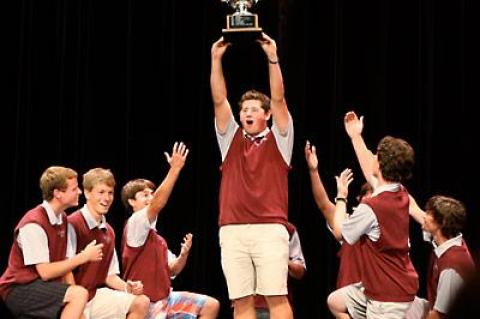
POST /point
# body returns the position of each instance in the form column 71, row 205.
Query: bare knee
column 275, row 301
column 77, row 294
column 336, row 302
column 140, row 305
column 279, row 307
column 211, row 308
column 244, row 307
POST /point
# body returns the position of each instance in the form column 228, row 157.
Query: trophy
column 242, row 25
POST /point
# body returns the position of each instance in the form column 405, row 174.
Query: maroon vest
column 17, row 272
column 349, row 269
column 457, row 258
column 387, row 271
column 92, row 275
column 149, row 264
column 254, row 186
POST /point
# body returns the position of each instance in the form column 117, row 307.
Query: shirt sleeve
column 284, row 141
column 171, row 256
column 224, row 139
column 34, row 243
column 362, row 222
column 138, row 227
column 295, row 250
column 449, row 283
column 71, row 241
column 114, row 268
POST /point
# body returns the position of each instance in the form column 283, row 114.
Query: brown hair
column 132, row 187
column 55, row 177
column 364, row 190
column 449, row 213
column 255, row 95
column 96, row 176
column 396, row 159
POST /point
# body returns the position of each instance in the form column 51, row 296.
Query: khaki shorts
column 361, row 307
column 255, row 259
column 108, row 304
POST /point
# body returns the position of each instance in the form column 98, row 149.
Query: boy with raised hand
column 253, row 199
column 389, row 281
column 145, row 254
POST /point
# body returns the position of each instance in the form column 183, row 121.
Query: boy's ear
column 268, row 115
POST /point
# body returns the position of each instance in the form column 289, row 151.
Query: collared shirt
column 439, row 250
column 449, row 282
column 363, row 220
column 257, row 137
column 33, row 241
column 114, row 268
column 284, row 141
column 138, row 228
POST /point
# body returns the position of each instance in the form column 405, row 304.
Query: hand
column 219, row 48
column 353, row 125
column 186, row 245
column 92, row 252
column 269, row 47
column 134, row 287
column 179, row 155
column 311, row 156
column 345, row 178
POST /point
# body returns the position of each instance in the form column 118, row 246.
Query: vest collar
column 92, row 223
column 392, row 187
column 257, row 137
column 440, row 250
column 52, row 217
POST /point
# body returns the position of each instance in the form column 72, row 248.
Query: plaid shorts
column 179, row 304
column 38, row 299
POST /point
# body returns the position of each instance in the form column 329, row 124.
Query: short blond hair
column 55, row 177
column 98, row 176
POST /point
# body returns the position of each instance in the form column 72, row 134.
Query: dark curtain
column 115, row 84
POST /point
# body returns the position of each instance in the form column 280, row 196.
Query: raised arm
column 354, row 128
column 343, row 181
column 278, row 104
column 415, row 211
column 218, row 87
column 162, row 193
column 319, row 193
column 176, row 266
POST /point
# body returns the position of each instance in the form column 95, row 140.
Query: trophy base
column 242, row 35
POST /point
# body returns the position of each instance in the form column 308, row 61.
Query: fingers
column 92, row 243
column 266, row 38
column 167, row 156
column 350, row 116
column 346, row 176
column 221, row 43
column 309, row 148
column 175, row 147
column 188, row 237
column 178, row 149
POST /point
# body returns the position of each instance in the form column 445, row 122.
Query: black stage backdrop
column 115, row 84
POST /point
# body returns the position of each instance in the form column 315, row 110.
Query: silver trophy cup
column 241, row 25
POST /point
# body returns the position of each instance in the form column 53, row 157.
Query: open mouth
column 249, row 122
